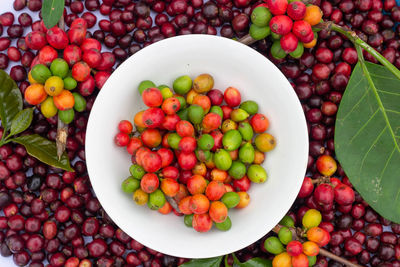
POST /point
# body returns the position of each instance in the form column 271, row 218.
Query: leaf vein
column 383, row 77
column 369, row 150
column 393, row 111
column 354, row 107
column 387, row 92
column 363, row 127
column 387, row 163
column 379, row 100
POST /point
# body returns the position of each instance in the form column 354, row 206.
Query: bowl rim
column 192, row 38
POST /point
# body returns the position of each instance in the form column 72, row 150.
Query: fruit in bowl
column 192, row 154
column 231, row 64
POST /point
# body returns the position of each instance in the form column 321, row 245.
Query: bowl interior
column 231, row 64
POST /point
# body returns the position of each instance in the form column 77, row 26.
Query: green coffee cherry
column 250, row 107
column 196, row 114
column 230, row 199
column 261, row 16
column 166, row 92
column 277, row 51
column 222, row 160
column 183, row 114
column 80, row 102
column 217, row 110
column 144, row 85
column 257, row 174
column 173, row 140
column 239, row 115
column 182, row 101
column 285, row 235
column 137, row 171
column 246, row 131
column 188, row 220
column 66, row 116
column 59, row 67
column 232, row 140
column 225, row 225
column 205, row 142
column 259, row 33
column 40, row 73
column 156, row 200
column 275, row 36
column 287, row 221
column 182, row 84
column 299, row 51
column 237, row 170
column 312, row 260
column 130, row 185
column 246, row 153
column 70, row 83
column 273, row 245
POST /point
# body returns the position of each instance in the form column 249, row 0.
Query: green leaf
column 10, row 100
column 226, row 261
column 367, row 136
column 254, row 262
column 52, row 10
column 44, row 150
column 21, row 121
column 210, row 262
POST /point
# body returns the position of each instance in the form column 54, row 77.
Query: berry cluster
column 51, row 86
column 181, row 153
column 289, row 24
column 296, row 253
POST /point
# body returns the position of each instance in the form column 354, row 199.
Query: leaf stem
column 357, row 41
column 62, row 128
column 351, row 35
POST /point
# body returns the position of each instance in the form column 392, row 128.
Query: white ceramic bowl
column 231, row 64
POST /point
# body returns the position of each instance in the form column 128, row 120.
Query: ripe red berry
column 296, row 10
column 289, row 42
column 152, row 97
column 277, row 7
column 294, row 248
column 344, row 195
column 302, row 30
column 121, row 139
column 323, row 194
column 306, row 188
column 153, row 117
column 57, row 38
column 281, row 24
column 125, row 127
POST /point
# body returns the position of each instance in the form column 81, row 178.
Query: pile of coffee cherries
column 194, row 149
column 51, row 78
column 297, row 253
column 289, row 25
column 319, row 78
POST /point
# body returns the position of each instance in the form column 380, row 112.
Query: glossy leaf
column 367, row 137
column 52, row 10
column 10, row 100
column 21, row 121
column 254, row 262
column 226, row 264
column 44, row 150
column 210, row 262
